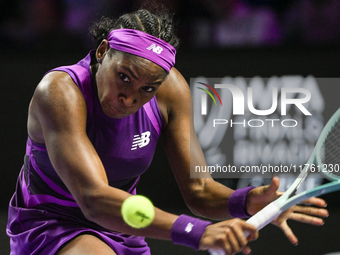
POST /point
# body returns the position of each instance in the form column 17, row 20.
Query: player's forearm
column 104, row 208
column 210, row 200
column 83, row 174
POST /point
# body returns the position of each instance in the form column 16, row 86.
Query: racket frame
column 290, row 198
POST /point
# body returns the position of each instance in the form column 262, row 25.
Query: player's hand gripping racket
column 324, row 159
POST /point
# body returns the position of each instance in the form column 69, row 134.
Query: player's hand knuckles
column 313, row 220
column 236, row 222
column 294, row 216
column 223, row 242
column 224, row 234
column 229, row 246
column 295, row 208
column 302, row 217
column 304, row 209
column 317, row 211
column 309, row 210
column 235, row 241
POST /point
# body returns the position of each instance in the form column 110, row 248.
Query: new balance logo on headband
column 140, row 44
column 154, row 48
column 141, row 140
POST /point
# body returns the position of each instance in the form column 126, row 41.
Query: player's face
column 126, row 82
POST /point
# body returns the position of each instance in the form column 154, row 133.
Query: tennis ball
column 138, row 211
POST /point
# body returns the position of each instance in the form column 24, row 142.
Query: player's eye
column 124, row 77
column 149, row 89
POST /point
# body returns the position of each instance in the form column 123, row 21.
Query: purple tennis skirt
column 43, row 228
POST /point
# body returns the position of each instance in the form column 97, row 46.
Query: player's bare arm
column 57, row 118
column 204, row 196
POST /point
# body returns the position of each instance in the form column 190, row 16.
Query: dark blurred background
column 218, row 38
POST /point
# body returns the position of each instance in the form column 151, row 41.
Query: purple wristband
column 237, row 203
column 188, row 231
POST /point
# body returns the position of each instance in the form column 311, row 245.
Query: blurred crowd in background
column 46, row 24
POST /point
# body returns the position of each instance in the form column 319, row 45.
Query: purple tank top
column 125, row 146
column 42, row 213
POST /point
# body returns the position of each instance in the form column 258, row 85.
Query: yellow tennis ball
column 138, row 211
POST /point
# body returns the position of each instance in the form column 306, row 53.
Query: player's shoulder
column 174, row 88
column 173, row 96
column 56, row 92
column 175, row 80
column 56, row 84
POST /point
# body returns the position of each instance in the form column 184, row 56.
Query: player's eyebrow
column 136, row 77
column 131, row 72
column 155, row 83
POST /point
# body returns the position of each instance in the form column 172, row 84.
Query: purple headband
column 144, row 45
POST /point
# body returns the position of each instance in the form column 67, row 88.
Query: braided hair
column 159, row 25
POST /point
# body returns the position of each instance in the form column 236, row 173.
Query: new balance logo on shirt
column 154, row 48
column 139, row 141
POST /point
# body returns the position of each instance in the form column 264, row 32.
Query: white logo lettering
column 189, row 227
column 141, row 140
column 154, row 48
column 238, row 100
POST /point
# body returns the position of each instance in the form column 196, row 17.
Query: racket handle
column 216, row 252
column 265, row 216
column 259, row 220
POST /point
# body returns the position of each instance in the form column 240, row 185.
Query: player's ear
column 101, row 50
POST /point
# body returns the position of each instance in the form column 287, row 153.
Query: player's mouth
column 117, row 112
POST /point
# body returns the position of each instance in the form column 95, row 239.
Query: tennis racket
column 325, row 159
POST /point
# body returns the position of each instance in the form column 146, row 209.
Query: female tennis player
column 92, row 131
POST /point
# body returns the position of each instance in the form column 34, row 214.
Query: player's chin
column 117, row 114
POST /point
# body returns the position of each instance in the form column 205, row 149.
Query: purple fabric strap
column 152, row 117
column 51, row 184
column 144, row 45
column 188, row 231
column 237, row 206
